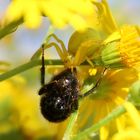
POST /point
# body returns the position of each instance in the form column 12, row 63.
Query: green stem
column 11, row 27
column 114, row 114
column 30, row 65
column 72, row 120
column 27, row 66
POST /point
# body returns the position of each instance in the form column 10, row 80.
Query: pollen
column 92, row 71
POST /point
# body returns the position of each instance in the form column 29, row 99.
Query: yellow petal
column 133, row 113
column 104, row 133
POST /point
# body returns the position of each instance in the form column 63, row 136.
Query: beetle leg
column 95, row 86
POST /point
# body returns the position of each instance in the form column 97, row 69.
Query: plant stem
column 11, row 27
column 27, row 66
column 30, row 65
column 67, row 134
column 114, row 114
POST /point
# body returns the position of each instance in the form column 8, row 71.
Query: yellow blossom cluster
column 117, row 49
column 59, row 12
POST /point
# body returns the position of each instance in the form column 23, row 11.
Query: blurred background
column 20, row 116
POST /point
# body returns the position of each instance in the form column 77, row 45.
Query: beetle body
column 60, row 96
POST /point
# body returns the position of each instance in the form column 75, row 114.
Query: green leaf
column 11, row 27
column 72, row 120
column 12, row 135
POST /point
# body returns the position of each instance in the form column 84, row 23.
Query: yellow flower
column 129, row 46
column 131, row 125
column 8, row 91
column 80, row 14
column 122, row 48
column 103, row 19
column 59, row 12
column 20, row 110
column 105, row 99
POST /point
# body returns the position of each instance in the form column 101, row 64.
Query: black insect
column 59, row 98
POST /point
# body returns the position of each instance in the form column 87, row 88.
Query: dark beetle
column 59, row 98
